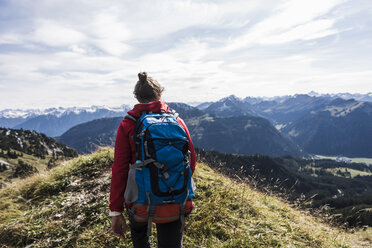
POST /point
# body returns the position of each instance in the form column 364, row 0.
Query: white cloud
column 9, row 38
column 292, row 20
column 89, row 52
column 77, row 49
column 309, row 31
column 54, row 34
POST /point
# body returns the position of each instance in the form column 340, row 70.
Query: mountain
column 68, row 207
column 279, row 110
column 230, row 106
column 55, row 121
column 253, row 100
column 243, row 134
column 288, row 114
column 203, row 105
column 12, row 117
column 88, row 136
column 32, row 143
column 319, row 124
column 342, row 127
column 23, row 152
column 185, row 111
column 240, row 134
column 291, row 108
column 11, row 121
column 346, row 96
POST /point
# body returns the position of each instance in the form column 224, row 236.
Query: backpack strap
column 142, row 163
column 129, row 116
column 183, row 211
column 174, row 113
column 151, row 209
column 171, row 111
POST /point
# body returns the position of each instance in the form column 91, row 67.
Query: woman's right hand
column 119, row 226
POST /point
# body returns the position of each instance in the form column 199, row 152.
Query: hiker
column 127, row 161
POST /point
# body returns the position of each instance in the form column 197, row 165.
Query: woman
column 148, row 92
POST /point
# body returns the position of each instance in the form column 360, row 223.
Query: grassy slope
column 353, row 172
column 38, row 163
column 67, row 207
column 355, row 160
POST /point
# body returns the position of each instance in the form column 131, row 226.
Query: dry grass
column 68, row 205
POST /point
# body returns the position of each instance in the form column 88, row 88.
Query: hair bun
column 142, row 76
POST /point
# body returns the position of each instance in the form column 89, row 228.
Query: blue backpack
column 160, row 186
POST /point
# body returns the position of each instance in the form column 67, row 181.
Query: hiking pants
column 168, row 234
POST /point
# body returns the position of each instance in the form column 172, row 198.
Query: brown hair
column 147, row 89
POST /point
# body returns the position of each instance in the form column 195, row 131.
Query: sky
column 89, row 52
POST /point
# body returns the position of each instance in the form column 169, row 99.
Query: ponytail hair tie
column 142, row 77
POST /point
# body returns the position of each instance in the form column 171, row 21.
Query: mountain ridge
column 247, row 134
column 314, row 123
column 55, row 121
column 24, row 152
column 342, row 128
column 291, row 115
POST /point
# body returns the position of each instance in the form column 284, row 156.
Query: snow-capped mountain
column 55, row 121
column 230, row 106
column 318, row 123
column 26, row 113
column 346, row 96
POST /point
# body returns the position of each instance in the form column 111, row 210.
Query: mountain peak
column 58, row 111
column 231, row 98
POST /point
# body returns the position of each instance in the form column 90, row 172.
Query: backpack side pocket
column 131, row 191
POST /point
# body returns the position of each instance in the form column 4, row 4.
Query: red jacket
column 125, row 153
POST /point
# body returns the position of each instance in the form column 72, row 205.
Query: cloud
column 309, row 31
column 67, row 53
column 293, row 20
column 54, row 34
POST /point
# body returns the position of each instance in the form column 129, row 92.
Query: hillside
column 185, row 111
column 291, row 109
column 23, row 152
column 240, row 134
column 67, row 207
column 343, row 127
column 88, row 136
column 345, row 188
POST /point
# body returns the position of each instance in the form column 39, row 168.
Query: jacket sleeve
column 191, row 145
column 120, row 169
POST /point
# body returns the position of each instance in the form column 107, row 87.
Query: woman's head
column 147, row 89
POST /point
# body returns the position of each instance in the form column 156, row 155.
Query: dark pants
column 169, row 235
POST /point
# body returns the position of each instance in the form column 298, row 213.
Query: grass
column 38, row 163
column 365, row 234
column 354, row 160
column 68, row 206
column 352, row 172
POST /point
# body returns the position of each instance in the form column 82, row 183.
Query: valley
column 367, row 161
